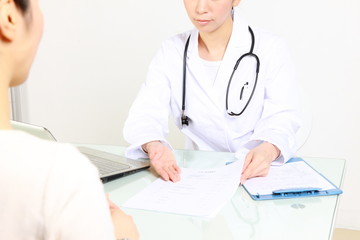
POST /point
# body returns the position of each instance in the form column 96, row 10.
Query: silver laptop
column 110, row 166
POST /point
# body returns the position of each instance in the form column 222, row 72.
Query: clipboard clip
column 296, row 191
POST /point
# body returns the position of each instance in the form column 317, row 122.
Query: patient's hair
column 23, row 5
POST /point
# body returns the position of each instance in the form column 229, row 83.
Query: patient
column 47, row 190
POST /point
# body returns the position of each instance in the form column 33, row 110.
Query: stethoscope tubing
column 250, row 54
column 184, row 118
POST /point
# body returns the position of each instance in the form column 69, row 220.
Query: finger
column 112, row 205
column 244, row 174
column 247, row 161
column 257, row 168
column 163, row 174
column 173, row 174
column 250, row 169
column 177, row 169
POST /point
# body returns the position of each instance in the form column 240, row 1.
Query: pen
column 296, row 190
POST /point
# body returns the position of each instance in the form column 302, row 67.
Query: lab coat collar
column 240, row 37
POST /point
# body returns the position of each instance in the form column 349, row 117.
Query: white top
column 211, row 68
column 273, row 115
column 49, row 191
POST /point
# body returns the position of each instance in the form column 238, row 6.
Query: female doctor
column 229, row 87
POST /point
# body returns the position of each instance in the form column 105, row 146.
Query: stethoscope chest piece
column 184, row 119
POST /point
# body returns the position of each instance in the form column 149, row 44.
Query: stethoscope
column 184, row 118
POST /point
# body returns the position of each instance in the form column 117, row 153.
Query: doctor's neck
column 212, row 45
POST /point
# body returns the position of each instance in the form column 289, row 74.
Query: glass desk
column 242, row 217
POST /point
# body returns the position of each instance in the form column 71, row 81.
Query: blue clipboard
column 297, row 192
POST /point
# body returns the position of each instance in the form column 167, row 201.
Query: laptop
column 110, row 166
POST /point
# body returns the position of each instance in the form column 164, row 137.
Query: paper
column 288, row 176
column 198, row 193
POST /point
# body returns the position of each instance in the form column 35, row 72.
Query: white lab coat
column 273, row 114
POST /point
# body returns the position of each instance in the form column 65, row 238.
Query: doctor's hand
column 258, row 160
column 162, row 160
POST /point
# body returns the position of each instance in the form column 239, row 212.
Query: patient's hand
column 124, row 225
column 162, row 160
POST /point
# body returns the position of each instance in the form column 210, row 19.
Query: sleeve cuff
column 135, row 151
column 285, row 154
column 279, row 161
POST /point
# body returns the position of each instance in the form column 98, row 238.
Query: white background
column 94, row 56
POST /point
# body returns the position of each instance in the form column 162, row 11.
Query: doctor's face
column 209, row 15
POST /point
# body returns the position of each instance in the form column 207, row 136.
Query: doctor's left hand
column 162, row 160
column 258, row 160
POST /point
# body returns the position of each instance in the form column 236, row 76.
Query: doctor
column 228, row 86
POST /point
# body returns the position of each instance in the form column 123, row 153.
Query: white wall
column 94, row 56
column 91, row 62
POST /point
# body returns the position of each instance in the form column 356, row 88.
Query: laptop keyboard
column 106, row 166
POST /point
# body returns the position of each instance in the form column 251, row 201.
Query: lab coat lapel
column 239, row 44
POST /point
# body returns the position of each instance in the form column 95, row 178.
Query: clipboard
column 295, row 179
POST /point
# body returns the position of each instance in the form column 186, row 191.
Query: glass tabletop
column 241, row 217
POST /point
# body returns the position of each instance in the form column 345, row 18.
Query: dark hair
column 23, row 5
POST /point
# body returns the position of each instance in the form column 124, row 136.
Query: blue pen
column 296, row 190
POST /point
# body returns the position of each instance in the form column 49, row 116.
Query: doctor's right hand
column 162, row 160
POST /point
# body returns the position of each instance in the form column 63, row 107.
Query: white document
column 198, row 193
column 295, row 175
